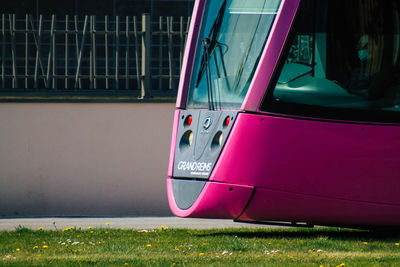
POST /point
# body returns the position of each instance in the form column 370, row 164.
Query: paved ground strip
column 120, row 223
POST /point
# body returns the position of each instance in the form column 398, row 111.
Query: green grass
column 179, row 247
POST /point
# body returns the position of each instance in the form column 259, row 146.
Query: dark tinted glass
column 343, row 58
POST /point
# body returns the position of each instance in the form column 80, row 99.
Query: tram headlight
column 190, row 138
column 217, row 141
column 186, row 140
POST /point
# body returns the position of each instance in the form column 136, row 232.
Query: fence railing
column 92, row 55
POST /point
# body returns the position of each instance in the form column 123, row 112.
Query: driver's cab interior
column 343, row 54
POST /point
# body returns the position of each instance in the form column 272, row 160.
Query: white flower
column 271, row 252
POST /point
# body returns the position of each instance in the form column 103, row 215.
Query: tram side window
column 344, row 54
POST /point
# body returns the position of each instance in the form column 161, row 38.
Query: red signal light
column 189, row 120
column 227, row 121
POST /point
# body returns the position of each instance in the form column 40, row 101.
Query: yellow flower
column 106, row 233
column 18, row 250
column 342, row 265
column 148, row 245
column 91, row 232
column 396, row 244
column 201, row 254
column 108, row 223
column 40, row 228
column 90, row 227
column 365, row 243
column 126, row 264
column 176, row 249
column 35, row 247
column 45, row 246
column 166, row 228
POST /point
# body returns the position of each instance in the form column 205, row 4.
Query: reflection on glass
column 231, row 41
column 345, row 55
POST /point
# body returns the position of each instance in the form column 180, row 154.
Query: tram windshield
column 233, row 34
column 344, row 60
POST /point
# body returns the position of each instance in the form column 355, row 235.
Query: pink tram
column 289, row 111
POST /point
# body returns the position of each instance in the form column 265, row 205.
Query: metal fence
column 92, row 55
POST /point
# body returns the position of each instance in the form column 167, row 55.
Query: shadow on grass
column 310, row 233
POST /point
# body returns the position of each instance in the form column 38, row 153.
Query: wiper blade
column 211, row 40
column 206, row 58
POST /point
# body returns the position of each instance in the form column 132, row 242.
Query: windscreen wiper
column 209, row 44
column 212, row 40
column 206, row 59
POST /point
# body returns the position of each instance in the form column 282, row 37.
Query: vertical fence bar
column 91, row 54
column 38, row 43
column 170, row 51
column 94, row 51
column 182, row 45
column 53, row 35
column 187, row 29
column 135, row 32
column 14, row 44
column 26, row 50
column 49, row 54
column 127, row 54
column 116, row 50
column 38, row 48
column 50, row 50
column 13, row 50
column 146, row 55
column 106, row 47
column 160, row 53
column 80, row 53
column 77, row 44
column 3, row 49
column 66, row 53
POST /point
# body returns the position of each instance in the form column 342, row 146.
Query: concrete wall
column 63, row 159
